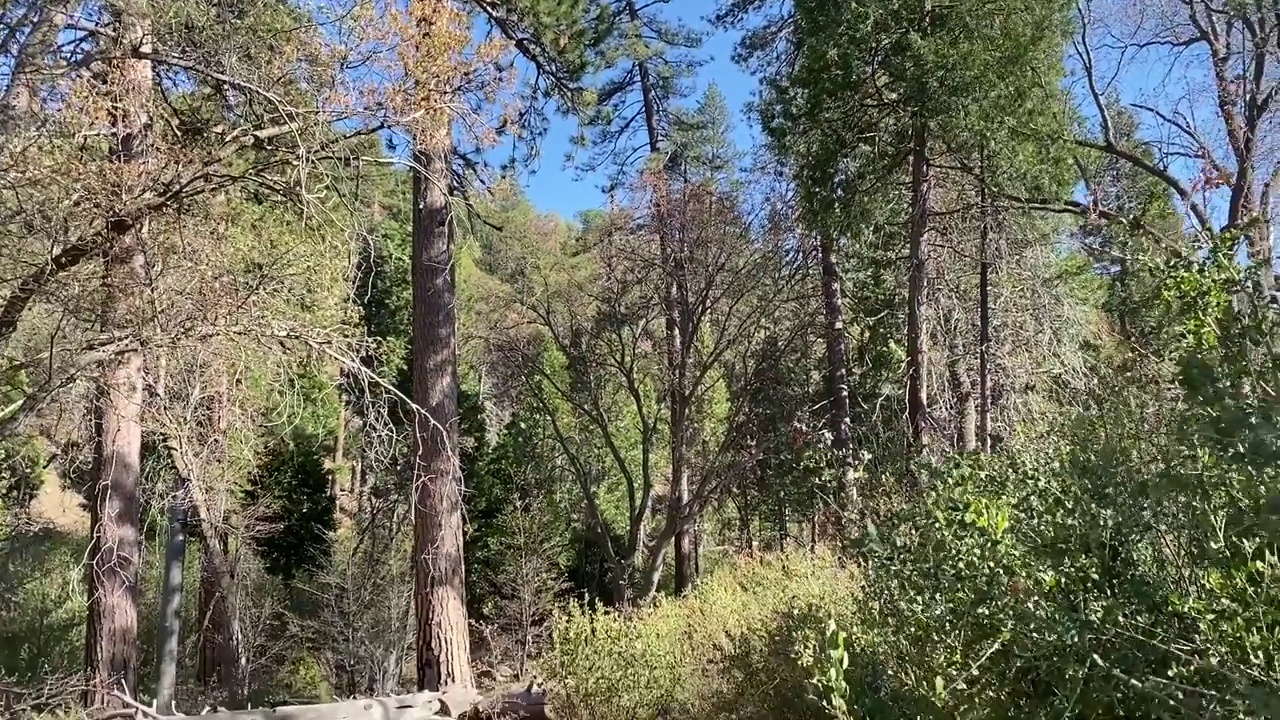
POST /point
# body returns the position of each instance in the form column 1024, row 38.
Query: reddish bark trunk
column 111, row 643
column 443, row 645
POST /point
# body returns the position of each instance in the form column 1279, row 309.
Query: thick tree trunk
column 111, row 643
column 917, row 339
column 168, row 645
column 443, row 645
column 837, row 371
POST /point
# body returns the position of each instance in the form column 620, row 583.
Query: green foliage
column 830, row 665
column 42, row 605
column 729, row 649
column 1130, row 572
column 644, row 65
column 290, row 495
column 702, row 147
column 22, row 465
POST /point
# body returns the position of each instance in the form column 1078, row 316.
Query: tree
column 435, row 63
column 112, row 645
column 651, row 68
column 918, row 78
column 1221, row 144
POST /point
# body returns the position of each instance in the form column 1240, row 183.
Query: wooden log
column 419, row 706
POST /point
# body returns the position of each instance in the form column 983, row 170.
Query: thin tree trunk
column 781, row 523
column 677, row 394
column 679, row 405
column 917, row 340
column 339, row 448
column 208, row 664
column 962, row 388
column 175, row 556
column 837, row 372
column 443, row 645
column 984, row 318
column 697, row 550
column 686, row 572
column 746, row 540
column 655, row 558
column 111, row 647
column 223, row 665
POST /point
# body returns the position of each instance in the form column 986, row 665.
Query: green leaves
column 829, row 666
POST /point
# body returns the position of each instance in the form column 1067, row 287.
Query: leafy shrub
column 1133, row 573
column 732, row 648
column 41, row 605
column 21, row 473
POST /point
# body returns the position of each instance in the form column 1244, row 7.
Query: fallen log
column 419, row 706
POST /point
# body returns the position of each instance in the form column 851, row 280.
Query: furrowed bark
column 111, row 643
column 443, row 646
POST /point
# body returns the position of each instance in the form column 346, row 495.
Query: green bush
column 1133, row 574
column 1130, row 568
column 41, row 605
column 21, row 474
column 732, row 648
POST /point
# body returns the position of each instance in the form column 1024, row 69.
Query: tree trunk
column 917, row 339
column 339, row 451
column 697, row 549
column 443, row 645
column 962, row 388
column 679, row 397
column 175, row 556
column 984, row 318
column 837, row 372
column 111, row 647
column 746, row 540
column 677, row 393
column 781, row 525
column 223, row 665
column 207, row 668
column 686, row 573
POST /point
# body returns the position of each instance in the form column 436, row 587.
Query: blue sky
column 554, row 187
